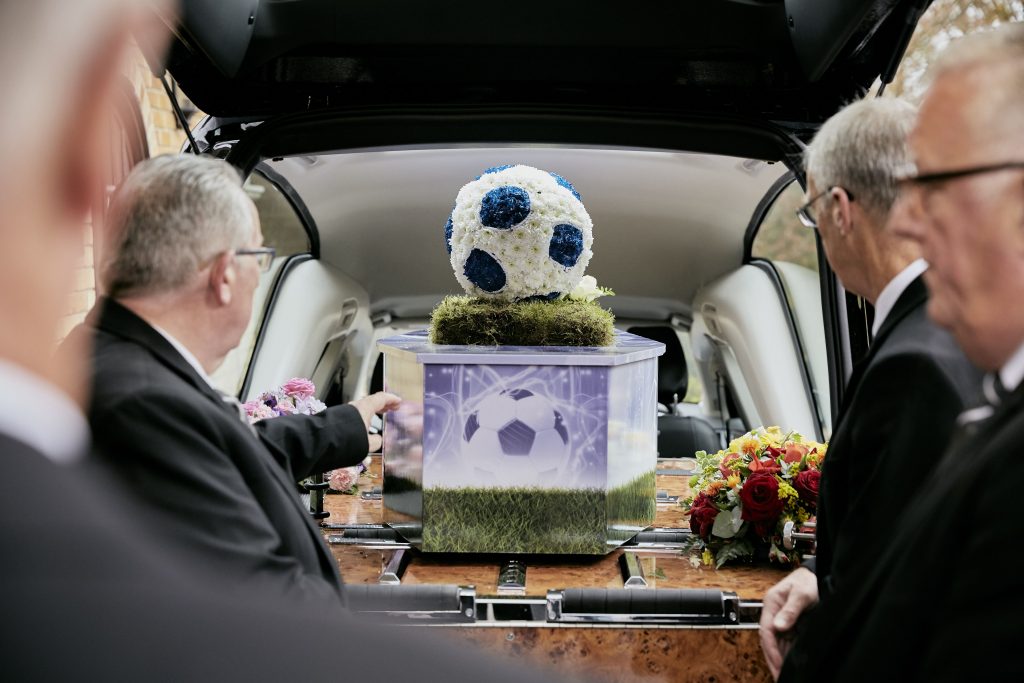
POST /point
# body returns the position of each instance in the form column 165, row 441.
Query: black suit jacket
column 215, row 486
column 86, row 593
column 943, row 602
column 901, row 409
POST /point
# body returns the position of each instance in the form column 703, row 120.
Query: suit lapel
column 112, row 317
column 915, row 295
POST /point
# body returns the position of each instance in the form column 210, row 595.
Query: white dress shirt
column 185, row 353
column 35, row 412
column 892, row 291
column 1012, row 371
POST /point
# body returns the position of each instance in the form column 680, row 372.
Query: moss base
column 464, row 320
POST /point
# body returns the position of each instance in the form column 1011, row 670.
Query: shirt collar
column 37, row 413
column 891, row 292
column 185, row 353
column 1012, row 371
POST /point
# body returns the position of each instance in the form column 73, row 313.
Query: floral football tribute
column 517, row 232
column 297, row 396
column 744, row 495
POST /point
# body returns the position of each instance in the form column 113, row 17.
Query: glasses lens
column 804, row 214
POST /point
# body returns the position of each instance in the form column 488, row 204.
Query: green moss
column 464, row 320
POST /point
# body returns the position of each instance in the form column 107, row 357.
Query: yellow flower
column 787, row 491
column 708, row 557
column 749, row 445
column 733, row 481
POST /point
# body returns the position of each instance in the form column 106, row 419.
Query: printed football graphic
column 516, row 436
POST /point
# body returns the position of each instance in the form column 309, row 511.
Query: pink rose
column 299, row 387
column 344, row 479
column 262, row 412
column 285, row 406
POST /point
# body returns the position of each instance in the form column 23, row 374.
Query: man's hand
column 783, row 605
column 368, row 406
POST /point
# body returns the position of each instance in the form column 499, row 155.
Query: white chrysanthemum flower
column 519, row 232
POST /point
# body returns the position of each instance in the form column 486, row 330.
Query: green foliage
column 464, row 320
column 732, row 551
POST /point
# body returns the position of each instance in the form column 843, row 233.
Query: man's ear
column 841, row 211
column 222, row 277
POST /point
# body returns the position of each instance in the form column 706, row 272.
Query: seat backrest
column 679, row 436
column 672, row 374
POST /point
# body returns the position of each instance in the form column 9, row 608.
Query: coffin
column 520, row 449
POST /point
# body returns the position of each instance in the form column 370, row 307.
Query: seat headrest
column 672, row 375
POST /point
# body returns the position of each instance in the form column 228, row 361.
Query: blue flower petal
column 504, row 207
column 566, row 184
column 566, row 245
column 484, row 271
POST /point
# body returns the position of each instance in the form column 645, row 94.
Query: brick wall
column 164, row 137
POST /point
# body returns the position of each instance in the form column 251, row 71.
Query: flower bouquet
column 744, row 495
column 297, row 397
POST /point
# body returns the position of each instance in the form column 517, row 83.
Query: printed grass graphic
column 525, row 520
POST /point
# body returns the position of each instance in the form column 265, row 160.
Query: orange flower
column 723, row 466
column 714, row 487
column 794, row 452
column 733, row 481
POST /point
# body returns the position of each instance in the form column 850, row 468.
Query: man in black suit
column 903, row 398
column 942, row 601
column 180, row 282
column 85, row 592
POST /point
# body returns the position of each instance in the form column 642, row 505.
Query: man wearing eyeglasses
column 903, row 398
column 184, row 261
column 942, row 601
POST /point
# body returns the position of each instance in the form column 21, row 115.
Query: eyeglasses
column 909, row 177
column 804, row 212
column 264, row 256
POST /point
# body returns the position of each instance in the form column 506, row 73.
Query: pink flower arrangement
column 294, row 397
column 297, row 397
column 345, row 478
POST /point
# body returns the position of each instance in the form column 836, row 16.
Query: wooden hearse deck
column 516, row 622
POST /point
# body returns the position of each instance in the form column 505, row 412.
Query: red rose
column 761, row 504
column 702, row 516
column 806, row 484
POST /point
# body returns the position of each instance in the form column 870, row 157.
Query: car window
column 282, row 229
column 793, row 251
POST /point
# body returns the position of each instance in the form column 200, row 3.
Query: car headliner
column 664, row 222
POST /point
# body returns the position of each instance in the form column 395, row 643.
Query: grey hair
column 170, row 216
column 861, row 149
